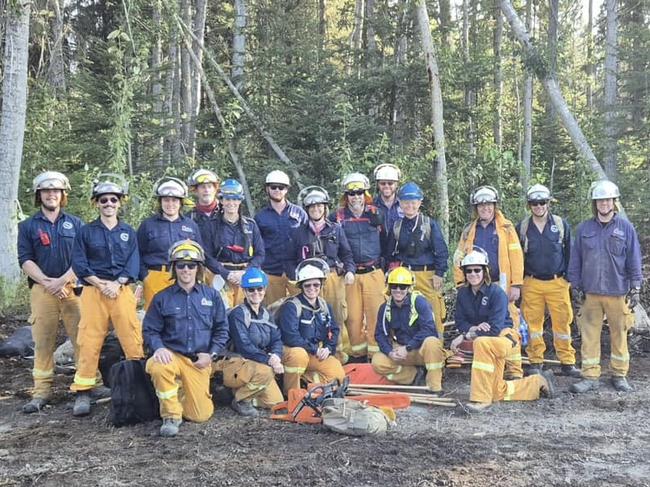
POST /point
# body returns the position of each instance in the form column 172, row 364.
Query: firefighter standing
column 276, row 223
column 605, row 276
column 105, row 257
column 387, row 177
column 546, row 241
column 309, row 331
column 158, row 232
column 257, row 343
column 321, row 238
column 415, row 241
column 406, row 335
column 44, row 253
column 482, row 316
column 186, row 328
column 496, row 235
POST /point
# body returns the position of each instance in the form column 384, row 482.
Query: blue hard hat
column 231, row 189
column 410, row 191
column 254, row 277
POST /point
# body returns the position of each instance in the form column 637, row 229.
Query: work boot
column 549, row 386
column 35, row 405
column 570, row 370
column 170, row 427
column 81, row 404
column 535, row 369
column 100, row 392
column 585, row 385
column 621, row 384
column 478, row 407
column 420, row 376
column 244, row 408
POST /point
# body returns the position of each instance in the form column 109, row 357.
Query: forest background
column 321, row 88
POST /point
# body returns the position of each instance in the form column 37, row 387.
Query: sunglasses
column 106, row 199
column 252, row 290
column 400, row 287
column 186, row 265
column 537, row 203
column 473, row 270
column 357, row 192
column 311, row 284
column 277, row 187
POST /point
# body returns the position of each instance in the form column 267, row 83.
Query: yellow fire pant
column 554, row 294
column 154, row 282
column 424, row 284
column 334, row 294
column 487, row 384
column 590, row 322
column 182, row 389
column 513, row 360
column 431, row 354
column 46, row 312
column 298, row 363
column 250, row 381
column 234, row 294
column 97, row 312
column 364, row 298
column 279, row 287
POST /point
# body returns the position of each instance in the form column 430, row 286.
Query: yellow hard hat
column 400, row 275
column 186, row 250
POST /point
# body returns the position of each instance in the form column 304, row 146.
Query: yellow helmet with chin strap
column 186, row 250
column 401, row 275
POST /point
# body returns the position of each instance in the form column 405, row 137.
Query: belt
column 366, row 269
column 545, row 278
column 420, row 268
column 160, row 268
column 234, row 267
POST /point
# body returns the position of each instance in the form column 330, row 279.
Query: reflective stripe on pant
column 554, row 294
column 182, row 389
column 97, row 312
column 279, row 287
column 364, row 298
column 297, row 362
column 334, row 294
column 251, row 380
column 590, row 322
column 430, row 354
column 513, row 360
column 424, row 284
column 154, row 282
column 46, row 312
column 487, row 384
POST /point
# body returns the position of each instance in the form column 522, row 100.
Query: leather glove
column 633, row 297
column 577, row 297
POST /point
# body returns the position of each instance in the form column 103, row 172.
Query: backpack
column 355, row 418
column 523, row 230
column 110, row 354
column 425, row 229
column 133, row 397
column 274, row 308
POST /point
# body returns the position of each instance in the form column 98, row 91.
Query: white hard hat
column 313, row 268
column 485, row 194
column 171, row 187
column 387, row 172
column 110, row 183
column 201, row 176
column 355, row 180
column 477, row 256
column 313, row 195
column 277, row 177
column 51, row 180
column 604, row 189
column 538, row 192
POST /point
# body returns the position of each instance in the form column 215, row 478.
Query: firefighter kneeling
column 186, row 328
column 482, row 316
column 406, row 335
column 258, row 345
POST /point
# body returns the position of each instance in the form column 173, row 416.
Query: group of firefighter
column 301, row 289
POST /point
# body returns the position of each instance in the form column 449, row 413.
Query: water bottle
column 523, row 330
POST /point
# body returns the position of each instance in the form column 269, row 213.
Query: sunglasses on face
column 277, row 187
column 400, row 287
column 186, row 265
column 106, row 199
column 538, row 203
column 315, row 285
column 473, row 270
column 252, row 290
column 357, row 192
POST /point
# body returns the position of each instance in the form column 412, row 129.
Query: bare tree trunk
column 437, row 119
column 528, row 112
column 186, row 86
column 356, row 36
column 175, row 66
column 498, row 76
column 610, row 90
column 552, row 50
column 239, row 45
column 12, row 129
column 199, row 32
column 156, row 87
column 322, row 25
column 590, row 55
column 397, row 113
column 56, row 68
column 445, row 22
column 371, row 43
column 470, row 97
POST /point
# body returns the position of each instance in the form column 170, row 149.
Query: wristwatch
column 123, row 280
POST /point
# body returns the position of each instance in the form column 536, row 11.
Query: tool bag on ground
column 133, row 397
column 354, row 418
column 19, row 344
column 110, row 354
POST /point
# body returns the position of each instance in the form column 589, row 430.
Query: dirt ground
column 597, row 439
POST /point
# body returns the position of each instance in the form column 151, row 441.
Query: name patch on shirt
column 206, row 302
column 618, row 231
column 67, row 225
column 186, row 229
column 484, row 301
column 124, row 237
